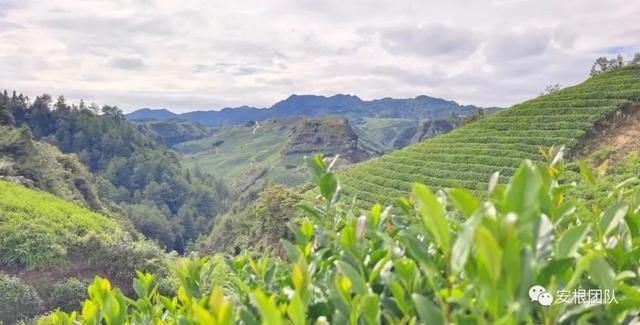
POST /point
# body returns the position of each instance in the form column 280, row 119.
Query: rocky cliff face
column 431, row 128
column 330, row 135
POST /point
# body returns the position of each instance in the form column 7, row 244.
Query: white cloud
column 428, row 41
column 200, row 54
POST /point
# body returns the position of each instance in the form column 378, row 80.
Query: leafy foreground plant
column 442, row 258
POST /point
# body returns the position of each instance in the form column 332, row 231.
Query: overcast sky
column 186, row 55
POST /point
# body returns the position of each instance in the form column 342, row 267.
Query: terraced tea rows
column 467, row 156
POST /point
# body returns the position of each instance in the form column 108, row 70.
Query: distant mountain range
column 349, row 106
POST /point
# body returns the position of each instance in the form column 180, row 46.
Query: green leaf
column 202, row 315
column 612, row 216
column 601, row 273
column 357, row 281
column 405, row 268
column 373, row 275
column 310, row 209
column 463, row 243
column 586, row 174
column 138, row 288
column 522, row 193
column 307, row 229
column 433, row 215
column 317, row 165
column 570, row 241
column 292, row 252
column 371, row 309
column 428, row 312
column 489, row 252
column 268, row 311
column 557, row 268
column 296, row 311
column 376, row 210
column 544, row 238
column 464, row 200
column 405, row 205
column 328, row 185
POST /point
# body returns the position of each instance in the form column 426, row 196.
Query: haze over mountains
column 349, row 106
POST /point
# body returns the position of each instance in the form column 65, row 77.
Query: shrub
column 17, row 300
column 259, row 226
column 68, row 294
column 37, row 229
column 437, row 258
column 29, row 245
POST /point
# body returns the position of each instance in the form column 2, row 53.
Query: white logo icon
column 540, row 294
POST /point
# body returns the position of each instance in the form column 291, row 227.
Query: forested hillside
column 164, row 200
column 42, row 166
column 467, row 156
column 172, row 132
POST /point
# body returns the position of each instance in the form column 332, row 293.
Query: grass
column 466, row 156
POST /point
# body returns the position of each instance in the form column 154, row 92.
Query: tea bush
column 443, row 258
column 18, row 300
column 37, row 228
column 68, row 294
column 497, row 142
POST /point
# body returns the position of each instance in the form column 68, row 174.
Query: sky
column 199, row 55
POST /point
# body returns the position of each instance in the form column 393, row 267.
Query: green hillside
column 107, row 162
column 38, row 229
column 271, row 150
column 468, row 155
column 41, row 166
column 171, row 132
column 51, row 248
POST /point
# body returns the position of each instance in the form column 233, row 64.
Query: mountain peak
column 346, row 105
column 152, row 114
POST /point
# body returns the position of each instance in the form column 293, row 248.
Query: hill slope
column 134, row 173
column 466, row 156
column 38, row 229
column 271, row 149
column 172, row 132
column 46, row 241
column 39, row 165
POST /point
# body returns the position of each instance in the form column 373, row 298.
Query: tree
column 550, row 89
column 603, row 64
column 261, row 225
column 113, row 112
column 61, row 105
column 636, row 59
column 132, row 168
column 93, row 107
column 42, row 122
column 6, row 118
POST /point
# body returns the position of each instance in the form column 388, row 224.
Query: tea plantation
column 467, row 156
column 37, row 228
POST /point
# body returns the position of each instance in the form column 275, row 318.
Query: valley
column 322, row 209
column 272, row 149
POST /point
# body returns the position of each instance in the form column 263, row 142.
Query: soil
column 619, row 134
